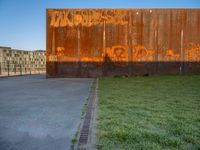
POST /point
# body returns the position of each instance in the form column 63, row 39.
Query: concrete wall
column 103, row 42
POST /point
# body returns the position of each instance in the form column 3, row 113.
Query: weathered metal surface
column 102, row 42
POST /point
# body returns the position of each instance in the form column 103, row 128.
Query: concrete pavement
column 40, row 114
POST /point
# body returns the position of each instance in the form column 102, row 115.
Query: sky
column 23, row 22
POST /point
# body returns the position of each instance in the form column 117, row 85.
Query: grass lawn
column 156, row 112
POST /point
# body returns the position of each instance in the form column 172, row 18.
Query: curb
column 87, row 136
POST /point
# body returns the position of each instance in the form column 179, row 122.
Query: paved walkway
column 40, row 114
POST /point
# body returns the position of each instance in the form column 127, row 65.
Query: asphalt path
column 40, row 114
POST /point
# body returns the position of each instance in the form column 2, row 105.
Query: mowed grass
column 156, row 112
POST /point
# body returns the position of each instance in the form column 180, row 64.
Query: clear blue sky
column 22, row 22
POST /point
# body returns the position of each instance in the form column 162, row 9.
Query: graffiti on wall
column 117, row 53
column 139, row 53
column 192, row 52
column 87, row 17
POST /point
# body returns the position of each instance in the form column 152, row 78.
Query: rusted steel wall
column 103, row 42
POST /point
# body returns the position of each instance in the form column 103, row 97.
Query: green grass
column 156, row 112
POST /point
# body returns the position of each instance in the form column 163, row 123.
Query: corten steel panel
column 104, row 42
